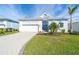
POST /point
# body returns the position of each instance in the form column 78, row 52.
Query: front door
column 45, row 25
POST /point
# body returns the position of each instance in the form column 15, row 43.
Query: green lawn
column 53, row 45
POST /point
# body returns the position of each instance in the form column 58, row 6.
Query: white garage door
column 29, row 28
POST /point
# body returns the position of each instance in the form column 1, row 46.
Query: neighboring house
column 8, row 24
column 75, row 27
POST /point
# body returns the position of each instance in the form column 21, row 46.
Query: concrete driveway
column 12, row 44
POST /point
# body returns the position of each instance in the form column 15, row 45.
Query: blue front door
column 45, row 25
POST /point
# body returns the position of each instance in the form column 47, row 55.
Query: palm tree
column 53, row 27
column 71, row 12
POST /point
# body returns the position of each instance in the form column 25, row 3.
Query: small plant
column 69, row 31
column 63, row 30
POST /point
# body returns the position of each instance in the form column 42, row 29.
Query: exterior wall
column 2, row 24
column 10, row 24
column 65, row 26
column 75, row 27
column 39, row 23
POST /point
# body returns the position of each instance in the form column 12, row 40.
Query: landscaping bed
column 5, row 32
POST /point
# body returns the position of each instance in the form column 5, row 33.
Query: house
column 41, row 24
column 8, row 24
column 75, row 26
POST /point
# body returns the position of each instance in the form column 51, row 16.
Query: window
column 2, row 25
column 61, row 24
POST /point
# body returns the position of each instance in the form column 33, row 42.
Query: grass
column 53, row 45
column 7, row 33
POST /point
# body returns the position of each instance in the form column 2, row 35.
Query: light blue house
column 9, row 24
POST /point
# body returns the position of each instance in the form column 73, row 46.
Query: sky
column 19, row 11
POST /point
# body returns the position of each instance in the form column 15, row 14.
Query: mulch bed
column 52, row 34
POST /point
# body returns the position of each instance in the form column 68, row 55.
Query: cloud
column 15, row 11
column 9, row 11
column 53, row 9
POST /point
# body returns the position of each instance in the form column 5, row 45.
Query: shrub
column 8, row 29
column 69, row 31
column 63, row 30
column 11, row 30
column 15, row 30
column 53, row 27
column 2, row 31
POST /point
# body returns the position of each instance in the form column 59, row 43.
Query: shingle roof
column 6, row 19
column 61, row 19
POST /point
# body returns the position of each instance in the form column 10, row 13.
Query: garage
column 29, row 28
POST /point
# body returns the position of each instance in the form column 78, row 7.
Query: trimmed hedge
column 11, row 30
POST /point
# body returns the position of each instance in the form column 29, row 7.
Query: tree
column 53, row 27
column 71, row 11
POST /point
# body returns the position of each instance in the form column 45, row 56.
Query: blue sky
column 18, row 11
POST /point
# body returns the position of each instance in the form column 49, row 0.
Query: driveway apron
column 12, row 44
